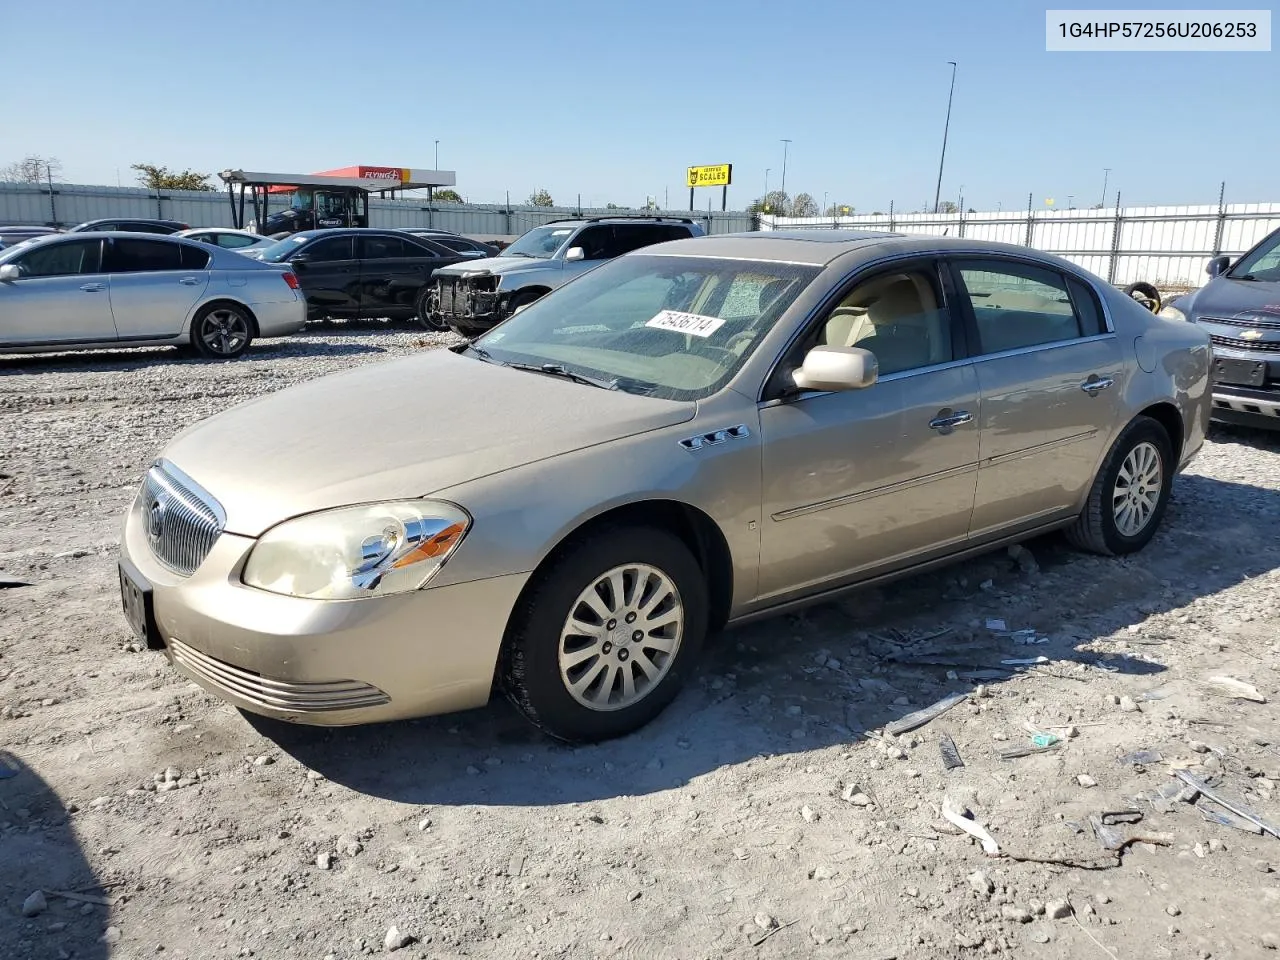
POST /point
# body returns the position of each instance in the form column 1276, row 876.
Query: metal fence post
column 891, row 216
column 961, row 213
column 1031, row 222
column 1115, row 241
column 1222, row 219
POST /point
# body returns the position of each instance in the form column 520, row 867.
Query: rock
column 395, row 939
column 1216, row 845
column 810, row 815
column 912, row 773
column 424, row 824
column 765, row 922
column 1198, row 746
column 1058, row 909
column 1127, row 705
column 1262, row 866
column 314, row 775
column 264, row 761
column 1040, row 936
column 855, row 796
column 110, row 935
column 1270, row 941
column 1172, row 910
column 1016, row 914
column 981, row 883
column 354, row 848
column 633, row 896
column 896, row 753
column 171, row 774
column 1086, row 781
column 821, row 872
column 35, row 904
column 324, row 861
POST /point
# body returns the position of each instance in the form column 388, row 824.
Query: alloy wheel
column 224, row 331
column 621, row 637
column 1137, row 489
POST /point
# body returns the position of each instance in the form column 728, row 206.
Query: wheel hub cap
column 621, row 637
column 1137, row 489
column 224, row 331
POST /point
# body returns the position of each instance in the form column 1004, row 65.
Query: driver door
column 61, row 296
column 862, row 481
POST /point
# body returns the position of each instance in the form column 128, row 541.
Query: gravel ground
column 754, row 819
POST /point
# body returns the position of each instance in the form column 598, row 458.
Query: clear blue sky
column 614, row 100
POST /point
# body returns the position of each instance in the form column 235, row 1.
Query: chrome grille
column 182, row 522
column 309, row 696
column 1238, row 322
column 1269, row 346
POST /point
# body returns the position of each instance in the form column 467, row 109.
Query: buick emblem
column 1251, row 335
column 155, row 519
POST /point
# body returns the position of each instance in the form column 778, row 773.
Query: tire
column 1103, row 526
column 221, row 331
column 542, row 656
column 422, row 314
column 1145, row 294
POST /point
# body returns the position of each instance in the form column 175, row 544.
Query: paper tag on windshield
column 694, row 324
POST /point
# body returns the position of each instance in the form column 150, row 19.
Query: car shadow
column 39, row 852
column 822, row 677
column 125, row 360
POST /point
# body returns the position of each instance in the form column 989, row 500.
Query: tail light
column 291, row 279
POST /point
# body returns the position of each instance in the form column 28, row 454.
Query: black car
column 11, row 235
column 1240, row 310
column 131, row 225
column 454, row 241
column 362, row 272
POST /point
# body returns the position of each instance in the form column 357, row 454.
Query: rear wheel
column 221, row 331
column 1130, row 493
column 607, row 634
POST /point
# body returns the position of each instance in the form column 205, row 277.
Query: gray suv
column 1240, row 310
column 469, row 298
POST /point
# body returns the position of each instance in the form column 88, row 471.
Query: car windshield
column 1261, row 264
column 675, row 328
column 281, row 249
column 540, row 243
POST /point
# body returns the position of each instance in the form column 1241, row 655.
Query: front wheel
column 424, row 316
column 221, row 331
column 1129, row 494
column 607, row 634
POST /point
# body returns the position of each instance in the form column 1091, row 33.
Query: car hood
column 1242, row 299
column 399, row 429
column 496, row 265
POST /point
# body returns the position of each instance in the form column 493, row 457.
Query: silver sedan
column 692, row 435
column 101, row 290
column 241, row 241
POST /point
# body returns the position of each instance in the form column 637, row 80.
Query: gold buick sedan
column 693, row 435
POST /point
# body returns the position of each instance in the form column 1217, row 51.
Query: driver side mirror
column 575, row 253
column 837, row 368
column 9, row 272
column 1218, row 265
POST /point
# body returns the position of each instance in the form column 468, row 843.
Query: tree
column 449, row 196
column 32, row 169
column 541, row 198
column 839, row 210
column 804, row 206
column 947, row 207
column 162, row 178
column 775, row 203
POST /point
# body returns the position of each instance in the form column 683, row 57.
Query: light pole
column 1106, row 175
column 1071, row 201
column 785, row 144
column 937, row 193
column 824, row 203
column 437, row 160
column 766, row 183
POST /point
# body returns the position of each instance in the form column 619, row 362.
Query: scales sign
column 713, row 175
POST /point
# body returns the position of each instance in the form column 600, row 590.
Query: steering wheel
column 746, row 336
column 715, row 354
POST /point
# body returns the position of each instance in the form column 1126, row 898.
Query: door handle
column 93, row 287
column 1095, row 383
column 189, row 281
column 947, row 420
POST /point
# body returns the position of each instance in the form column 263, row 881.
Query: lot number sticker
column 694, row 324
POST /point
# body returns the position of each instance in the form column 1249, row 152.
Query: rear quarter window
column 193, row 258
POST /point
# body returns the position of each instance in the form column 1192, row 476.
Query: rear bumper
column 281, row 318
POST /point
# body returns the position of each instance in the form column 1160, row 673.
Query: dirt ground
column 754, row 819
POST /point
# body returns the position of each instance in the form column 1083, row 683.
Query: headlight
column 1172, row 313
column 354, row 552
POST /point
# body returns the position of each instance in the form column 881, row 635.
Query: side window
column 462, row 246
column 596, row 242
column 193, row 258
column 382, row 248
column 1087, row 308
column 233, row 240
column 61, row 259
column 136, row 256
column 330, row 248
column 900, row 316
column 1017, row 305
column 140, row 228
column 629, row 237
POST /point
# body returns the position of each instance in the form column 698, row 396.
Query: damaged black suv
column 471, row 297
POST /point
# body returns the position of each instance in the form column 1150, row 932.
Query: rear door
column 329, row 273
column 155, row 283
column 1051, row 375
column 62, row 295
column 394, row 271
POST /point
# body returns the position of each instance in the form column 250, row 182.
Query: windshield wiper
column 1244, row 276
column 483, row 354
column 509, row 253
column 556, row 370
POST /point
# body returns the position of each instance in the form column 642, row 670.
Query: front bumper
column 1247, row 406
column 460, row 299
column 331, row 663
